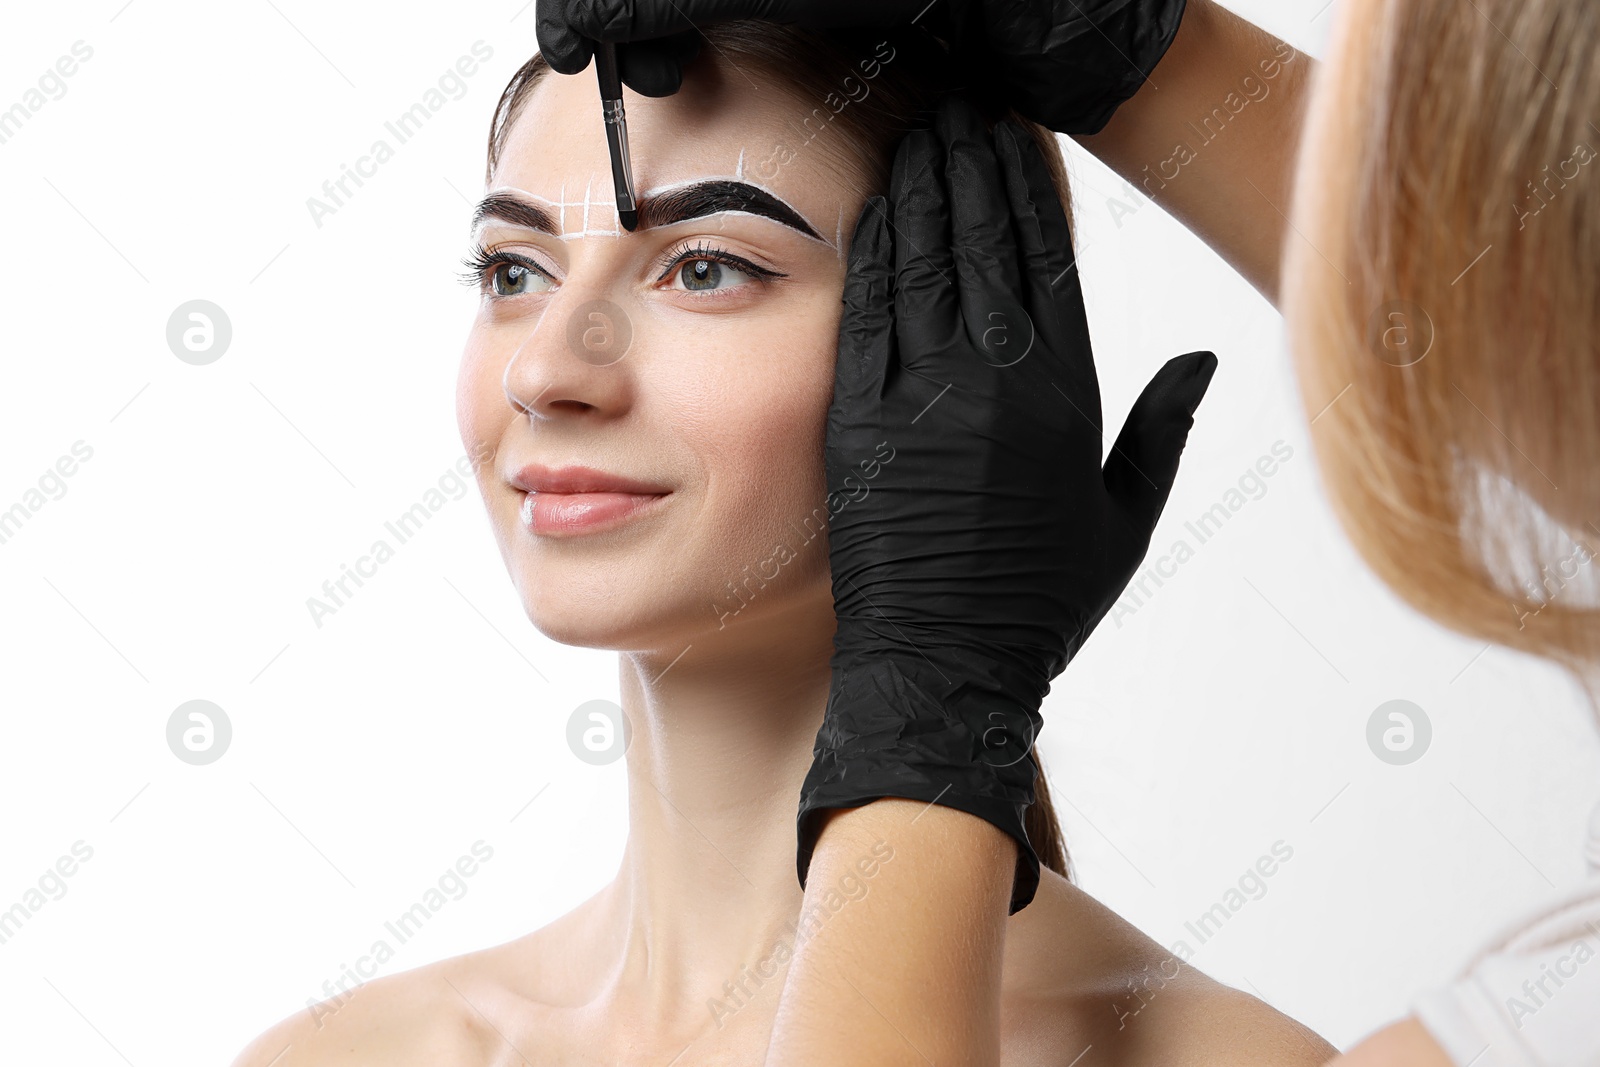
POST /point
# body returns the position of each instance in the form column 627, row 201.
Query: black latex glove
column 974, row 537
column 1067, row 64
column 656, row 38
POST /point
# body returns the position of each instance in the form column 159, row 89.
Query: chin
column 643, row 609
column 581, row 628
column 619, row 611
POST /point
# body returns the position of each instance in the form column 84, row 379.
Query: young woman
column 1439, row 280
column 678, row 379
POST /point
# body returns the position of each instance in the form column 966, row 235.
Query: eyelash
column 481, row 262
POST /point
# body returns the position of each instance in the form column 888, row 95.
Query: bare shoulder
column 400, row 1019
column 440, row 1012
column 1083, row 982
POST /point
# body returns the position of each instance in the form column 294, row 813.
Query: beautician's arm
column 909, row 972
column 966, row 577
column 1233, row 190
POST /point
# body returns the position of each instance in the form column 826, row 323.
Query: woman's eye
column 700, row 275
column 513, row 279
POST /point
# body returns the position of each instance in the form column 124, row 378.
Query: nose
column 574, row 358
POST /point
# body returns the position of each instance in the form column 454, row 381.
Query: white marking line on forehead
column 588, row 199
column 561, row 206
column 838, row 235
column 738, row 170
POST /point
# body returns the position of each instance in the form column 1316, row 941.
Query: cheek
column 482, row 410
column 758, row 426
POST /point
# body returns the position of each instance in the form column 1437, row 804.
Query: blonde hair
column 1442, row 289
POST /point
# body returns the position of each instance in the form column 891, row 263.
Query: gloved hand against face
column 1066, row 64
column 975, row 538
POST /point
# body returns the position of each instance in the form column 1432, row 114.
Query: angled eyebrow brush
column 605, row 64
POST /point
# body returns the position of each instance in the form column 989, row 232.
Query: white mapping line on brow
column 659, row 189
column 738, row 170
column 561, row 206
column 838, row 235
column 588, row 200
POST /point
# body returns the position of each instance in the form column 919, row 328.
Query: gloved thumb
column 1144, row 462
column 655, row 67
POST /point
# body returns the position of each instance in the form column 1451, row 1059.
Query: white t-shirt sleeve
column 1531, row 998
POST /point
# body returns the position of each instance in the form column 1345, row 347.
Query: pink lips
column 577, row 500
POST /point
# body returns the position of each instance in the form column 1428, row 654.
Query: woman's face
column 666, row 356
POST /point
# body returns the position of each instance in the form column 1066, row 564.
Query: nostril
column 570, row 405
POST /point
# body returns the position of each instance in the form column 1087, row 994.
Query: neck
column 722, row 734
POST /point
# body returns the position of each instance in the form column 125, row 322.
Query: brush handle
column 616, row 134
column 605, row 63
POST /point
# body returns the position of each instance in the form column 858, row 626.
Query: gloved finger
column 633, row 20
column 926, row 308
column 866, row 327
column 1054, row 292
column 983, row 244
column 1043, row 234
column 568, row 29
column 1144, row 462
column 566, row 49
column 655, row 67
column 618, row 21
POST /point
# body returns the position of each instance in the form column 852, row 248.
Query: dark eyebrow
column 693, row 201
column 505, row 207
column 718, row 195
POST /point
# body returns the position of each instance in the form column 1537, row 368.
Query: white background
column 1227, row 713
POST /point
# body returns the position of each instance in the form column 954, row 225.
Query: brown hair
column 1443, row 301
column 863, row 102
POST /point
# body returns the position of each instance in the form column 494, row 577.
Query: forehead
column 722, row 122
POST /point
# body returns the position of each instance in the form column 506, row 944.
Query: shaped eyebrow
column 691, row 200
column 714, row 196
column 501, row 206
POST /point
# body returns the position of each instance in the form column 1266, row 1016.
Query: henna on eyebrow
column 717, row 195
